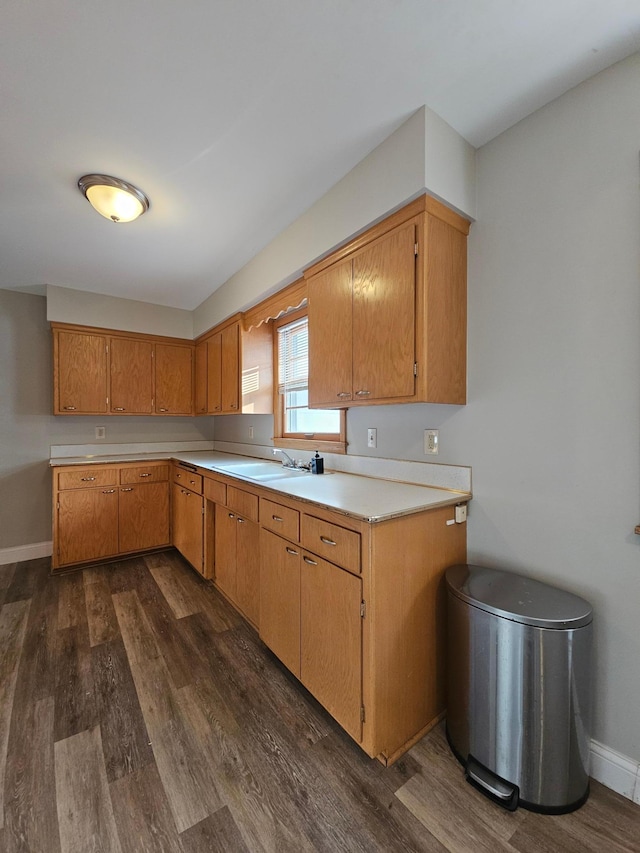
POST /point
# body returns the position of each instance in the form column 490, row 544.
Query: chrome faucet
column 287, row 462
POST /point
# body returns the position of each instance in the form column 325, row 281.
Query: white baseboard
column 25, row 552
column 616, row 771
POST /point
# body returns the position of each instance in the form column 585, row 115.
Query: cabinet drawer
column 84, row 478
column 337, row 544
column 144, row 474
column 215, row 491
column 244, row 503
column 280, row 519
column 190, row 481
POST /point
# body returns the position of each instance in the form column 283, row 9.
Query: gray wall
column 27, row 427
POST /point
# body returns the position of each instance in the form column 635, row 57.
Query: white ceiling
column 234, row 116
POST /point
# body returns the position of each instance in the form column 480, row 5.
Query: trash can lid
column 518, row 598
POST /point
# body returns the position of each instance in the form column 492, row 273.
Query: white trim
column 616, row 771
column 25, row 552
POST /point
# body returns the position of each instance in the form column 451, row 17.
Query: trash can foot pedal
column 504, row 793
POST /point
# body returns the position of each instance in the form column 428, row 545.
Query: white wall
column 551, row 426
column 423, row 153
column 66, row 305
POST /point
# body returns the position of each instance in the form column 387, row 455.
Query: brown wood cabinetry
column 234, row 370
column 103, row 511
column 131, row 364
column 387, row 313
column 280, row 598
column 174, row 370
column 237, row 566
column 120, row 373
column 80, row 373
column 187, row 517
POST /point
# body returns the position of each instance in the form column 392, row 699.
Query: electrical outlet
column 372, row 437
column 101, row 432
column 431, row 442
column 250, row 432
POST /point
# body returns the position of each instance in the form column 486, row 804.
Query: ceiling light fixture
column 114, row 198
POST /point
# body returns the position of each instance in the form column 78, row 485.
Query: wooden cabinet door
column 131, row 376
column 214, row 374
column 80, row 373
column 230, row 372
column 200, row 390
column 331, row 640
column 87, row 525
column 174, row 379
column 225, row 553
column 330, row 336
column 187, row 517
column 248, row 568
column 384, row 317
column 280, row 598
column 143, row 512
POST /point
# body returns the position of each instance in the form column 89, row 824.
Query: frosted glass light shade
column 114, row 198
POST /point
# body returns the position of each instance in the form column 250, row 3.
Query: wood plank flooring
column 140, row 714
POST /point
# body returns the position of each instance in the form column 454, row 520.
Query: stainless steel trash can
column 518, row 688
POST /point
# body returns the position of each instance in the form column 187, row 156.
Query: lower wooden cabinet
column 237, row 562
column 280, row 598
column 311, row 618
column 187, row 517
column 104, row 511
column 331, row 640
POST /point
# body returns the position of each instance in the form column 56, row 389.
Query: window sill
column 311, row 444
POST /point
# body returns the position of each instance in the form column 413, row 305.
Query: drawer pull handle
column 343, row 394
column 185, row 492
column 118, row 408
column 309, row 561
column 69, row 408
column 87, row 479
column 163, row 410
column 108, row 491
column 193, row 482
column 231, row 515
column 240, row 520
column 327, row 541
column 362, row 393
column 277, row 518
column 127, row 490
column 292, row 551
column 148, row 475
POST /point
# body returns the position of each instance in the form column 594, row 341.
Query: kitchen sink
column 265, row 471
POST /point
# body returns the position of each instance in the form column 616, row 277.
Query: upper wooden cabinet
column 234, row 370
column 119, row 373
column 80, row 373
column 174, row 368
column 387, row 313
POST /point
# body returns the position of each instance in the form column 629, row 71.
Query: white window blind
column 293, row 357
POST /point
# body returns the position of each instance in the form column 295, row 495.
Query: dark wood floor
column 138, row 712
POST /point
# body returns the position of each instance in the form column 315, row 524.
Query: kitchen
column 549, row 428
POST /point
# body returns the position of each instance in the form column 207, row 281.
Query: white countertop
column 369, row 498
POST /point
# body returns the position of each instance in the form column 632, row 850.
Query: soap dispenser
column 317, row 464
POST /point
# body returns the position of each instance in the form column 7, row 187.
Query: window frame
column 299, row 441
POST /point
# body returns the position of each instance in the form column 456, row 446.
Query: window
column 296, row 424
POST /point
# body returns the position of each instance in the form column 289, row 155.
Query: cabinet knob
column 362, row 393
column 69, row 408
